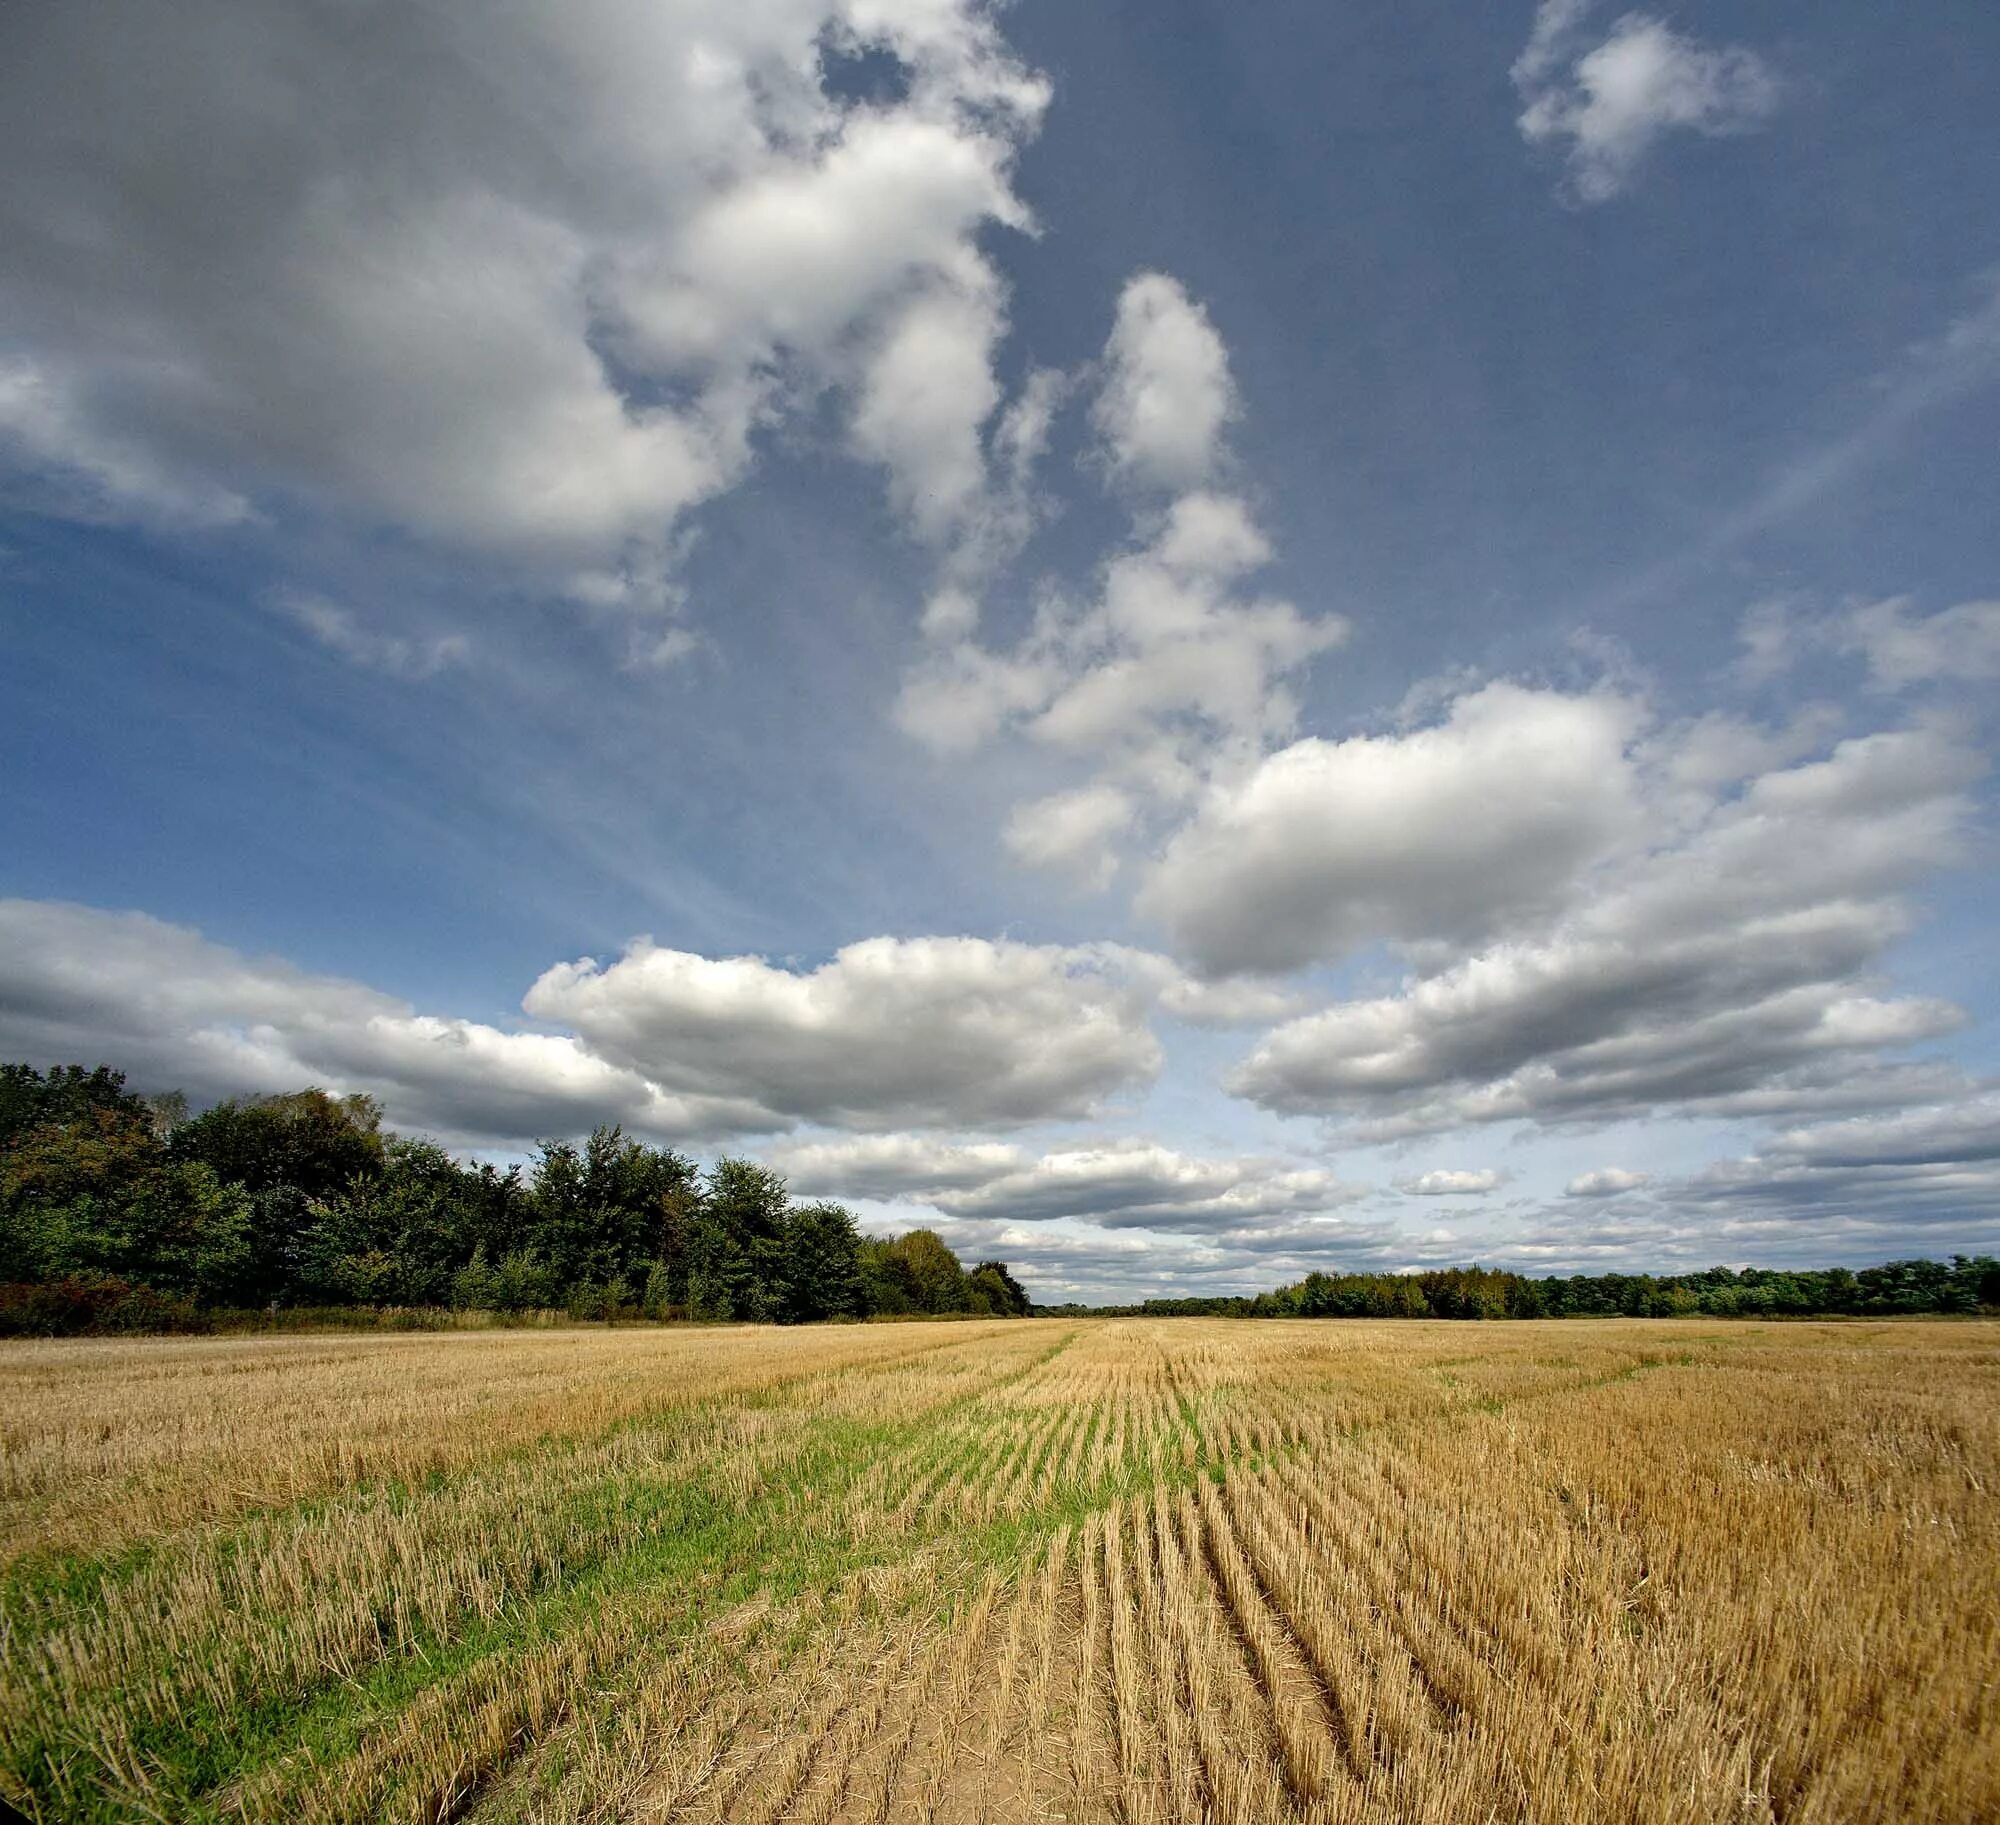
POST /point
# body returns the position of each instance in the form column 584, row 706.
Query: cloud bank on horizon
column 477, row 488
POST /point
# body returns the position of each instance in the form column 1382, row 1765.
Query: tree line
column 1962, row 1284
column 119, row 1211
column 125, row 1212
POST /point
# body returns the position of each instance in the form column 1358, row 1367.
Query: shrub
column 94, row 1305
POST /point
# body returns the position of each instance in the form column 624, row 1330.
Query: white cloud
column 1442, row 1182
column 958, row 699
column 1767, row 634
column 1174, row 660
column 1022, row 437
column 951, row 614
column 1167, row 393
column 1138, row 1184
column 1549, row 39
column 1176, row 665
column 1960, row 645
column 1605, row 1182
column 526, row 282
column 1233, row 1001
column 87, row 472
column 892, row 1167
column 1118, row 1184
column 1729, row 968
column 1717, row 749
column 341, row 631
column 1910, row 1181
column 1887, row 1184
column 916, row 1032
column 1901, row 648
column 924, row 394
column 1073, row 832
column 1963, row 1131
column 889, row 1033
column 176, row 1011
column 1613, row 102
column 1449, row 832
column 1176, row 646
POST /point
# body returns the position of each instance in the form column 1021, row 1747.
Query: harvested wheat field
column 1089, row 1570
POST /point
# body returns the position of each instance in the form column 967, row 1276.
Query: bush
column 94, row 1305
column 522, row 1284
column 476, row 1287
column 601, row 1301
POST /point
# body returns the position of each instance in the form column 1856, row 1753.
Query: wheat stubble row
column 1127, row 1571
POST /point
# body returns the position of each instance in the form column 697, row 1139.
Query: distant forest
column 1963, row 1284
column 127, row 1213
column 121, row 1212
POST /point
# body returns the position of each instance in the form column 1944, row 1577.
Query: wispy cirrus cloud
column 341, row 631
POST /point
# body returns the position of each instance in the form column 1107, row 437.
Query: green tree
column 87, row 1188
column 995, row 1290
column 737, row 1255
column 187, row 1232
column 886, row 1287
column 822, row 1263
column 66, row 1096
column 656, row 1297
column 306, row 1139
column 397, row 1237
column 935, row 1276
column 522, row 1284
column 476, row 1287
column 609, row 1209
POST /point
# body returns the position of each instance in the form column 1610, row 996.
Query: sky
column 1187, row 643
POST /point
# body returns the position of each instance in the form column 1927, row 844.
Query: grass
column 1126, row 1571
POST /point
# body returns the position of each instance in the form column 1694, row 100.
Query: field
column 1086, row 1570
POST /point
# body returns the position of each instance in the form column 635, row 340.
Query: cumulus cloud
column 1718, row 749
column 889, row 1033
column 1175, row 659
column 1919, row 1180
column 1072, row 832
column 525, row 282
column 1964, row 1131
column 1176, row 662
column 916, row 1032
column 1138, row 1184
column 177, row 1011
column 893, row 1167
column 1442, row 1182
column 925, row 392
column 1730, row 966
column 1773, row 1210
column 1241, row 1001
column 1167, row 392
column 1884, row 1185
column 86, row 471
column 1058, row 1260
column 1119, row 1184
column 1605, row 1182
column 1608, row 105
column 1448, row 832
column 1177, row 643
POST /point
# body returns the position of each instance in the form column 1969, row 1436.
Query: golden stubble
column 1133, row 1571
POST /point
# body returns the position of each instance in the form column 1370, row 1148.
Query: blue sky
column 1188, row 642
